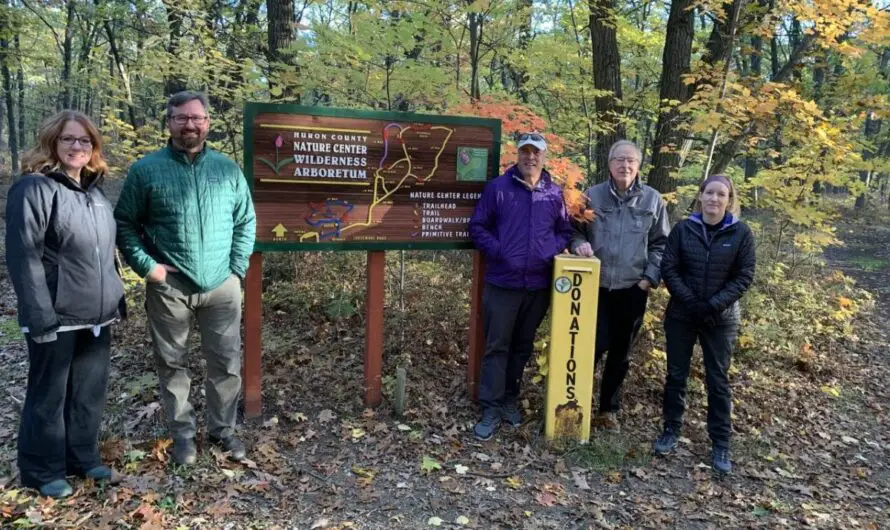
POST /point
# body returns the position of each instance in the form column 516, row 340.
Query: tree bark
column 520, row 75
column 606, row 77
column 675, row 64
column 5, row 59
column 65, row 101
column 173, row 82
column 280, row 36
column 475, row 22
column 20, row 87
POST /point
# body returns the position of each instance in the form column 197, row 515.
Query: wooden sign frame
column 374, row 296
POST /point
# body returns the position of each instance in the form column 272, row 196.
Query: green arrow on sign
column 279, row 230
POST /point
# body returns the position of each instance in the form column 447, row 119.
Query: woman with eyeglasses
column 708, row 265
column 60, row 235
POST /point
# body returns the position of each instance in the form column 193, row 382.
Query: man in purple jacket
column 520, row 224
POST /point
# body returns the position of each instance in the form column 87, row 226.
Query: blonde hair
column 44, row 155
column 732, row 207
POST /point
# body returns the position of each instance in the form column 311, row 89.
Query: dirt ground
column 810, row 449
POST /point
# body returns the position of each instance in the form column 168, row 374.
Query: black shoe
column 185, row 452
column 667, row 442
column 510, row 413
column 104, row 474
column 720, row 460
column 57, row 489
column 488, row 425
column 231, row 445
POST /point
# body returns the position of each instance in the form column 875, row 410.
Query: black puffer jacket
column 717, row 272
column 60, row 253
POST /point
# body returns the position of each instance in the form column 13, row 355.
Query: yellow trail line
column 311, row 128
column 309, row 235
column 375, row 201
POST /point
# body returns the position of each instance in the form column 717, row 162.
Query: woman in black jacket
column 708, row 265
column 60, row 254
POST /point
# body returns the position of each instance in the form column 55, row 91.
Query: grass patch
column 606, row 452
column 869, row 263
column 10, row 331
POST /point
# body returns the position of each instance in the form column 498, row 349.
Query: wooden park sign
column 337, row 179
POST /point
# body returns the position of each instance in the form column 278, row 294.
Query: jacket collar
column 61, row 177
column 728, row 220
column 543, row 183
column 635, row 188
column 182, row 156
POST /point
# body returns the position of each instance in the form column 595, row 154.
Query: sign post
column 573, row 311
column 337, row 179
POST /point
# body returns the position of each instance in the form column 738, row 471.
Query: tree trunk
column 5, row 59
column 280, row 36
column 668, row 130
column 475, row 22
column 174, row 82
column 20, row 87
column 520, row 75
column 65, row 102
column 606, row 77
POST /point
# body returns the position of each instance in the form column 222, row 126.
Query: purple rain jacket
column 520, row 230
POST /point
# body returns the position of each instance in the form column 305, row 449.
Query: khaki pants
column 171, row 307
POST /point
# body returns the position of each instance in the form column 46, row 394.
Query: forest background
column 789, row 97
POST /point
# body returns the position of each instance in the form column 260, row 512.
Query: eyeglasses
column 535, row 137
column 623, row 159
column 182, row 119
column 71, row 140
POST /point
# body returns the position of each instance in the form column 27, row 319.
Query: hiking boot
column 608, row 421
column 720, row 460
column 667, row 442
column 57, row 489
column 104, row 474
column 184, row 453
column 511, row 414
column 485, row 429
column 231, row 445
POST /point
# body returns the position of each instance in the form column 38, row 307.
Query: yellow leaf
column 514, row 482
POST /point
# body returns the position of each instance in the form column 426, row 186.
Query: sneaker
column 184, row 453
column 57, row 489
column 608, row 421
column 511, row 414
column 104, row 474
column 720, row 460
column 485, row 429
column 231, row 445
column 667, row 442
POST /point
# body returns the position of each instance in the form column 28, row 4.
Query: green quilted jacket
column 194, row 215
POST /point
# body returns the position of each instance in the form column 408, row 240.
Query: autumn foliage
column 517, row 119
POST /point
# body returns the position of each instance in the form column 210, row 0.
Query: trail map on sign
column 363, row 180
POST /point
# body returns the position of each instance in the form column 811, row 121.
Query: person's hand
column 644, row 284
column 159, row 273
column 584, row 249
column 699, row 308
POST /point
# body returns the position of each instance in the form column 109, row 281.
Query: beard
column 193, row 139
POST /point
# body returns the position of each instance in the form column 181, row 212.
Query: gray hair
column 623, row 143
column 181, row 98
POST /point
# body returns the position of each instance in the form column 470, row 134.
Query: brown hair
column 44, row 156
column 732, row 207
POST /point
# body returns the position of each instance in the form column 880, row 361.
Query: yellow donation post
column 573, row 306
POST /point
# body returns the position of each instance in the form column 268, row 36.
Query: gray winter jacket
column 60, row 253
column 628, row 234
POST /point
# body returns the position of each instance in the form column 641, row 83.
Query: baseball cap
column 534, row 139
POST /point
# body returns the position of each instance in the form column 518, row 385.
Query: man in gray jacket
column 628, row 235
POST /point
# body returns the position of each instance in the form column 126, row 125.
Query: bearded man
column 186, row 224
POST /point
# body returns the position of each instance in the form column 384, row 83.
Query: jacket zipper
column 200, row 216
column 98, row 257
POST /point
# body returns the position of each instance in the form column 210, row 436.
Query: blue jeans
column 512, row 317
column 59, row 431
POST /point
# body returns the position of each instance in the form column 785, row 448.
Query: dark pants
column 716, row 343
column 59, row 432
column 619, row 317
column 511, row 319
